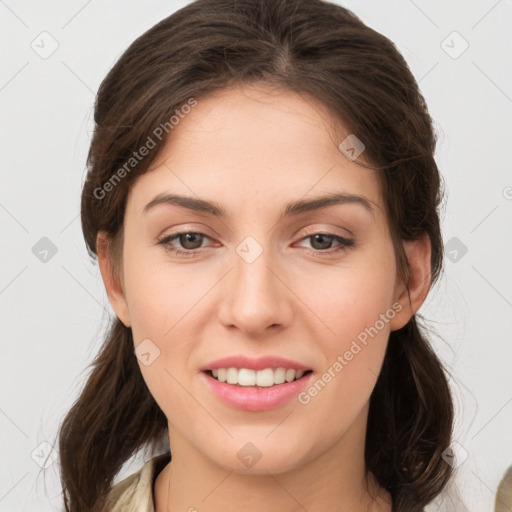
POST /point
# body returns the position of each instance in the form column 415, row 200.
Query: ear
column 113, row 283
column 418, row 254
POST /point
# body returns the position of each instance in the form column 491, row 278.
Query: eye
column 324, row 241
column 189, row 240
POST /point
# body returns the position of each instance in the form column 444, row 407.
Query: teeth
column 263, row 378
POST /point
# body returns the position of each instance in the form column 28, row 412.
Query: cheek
column 356, row 352
column 159, row 293
column 165, row 307
column 356, row 306
column 350, row 299
column 161, row 305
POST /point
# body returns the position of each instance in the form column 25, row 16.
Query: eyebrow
column 291, row 209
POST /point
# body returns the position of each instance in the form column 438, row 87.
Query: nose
column 254, row 296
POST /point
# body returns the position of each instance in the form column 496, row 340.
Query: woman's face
column 256, row 281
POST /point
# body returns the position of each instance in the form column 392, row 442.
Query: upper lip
column 254, row 364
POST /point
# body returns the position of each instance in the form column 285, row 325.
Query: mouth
column 245, row 378
column 244, row 390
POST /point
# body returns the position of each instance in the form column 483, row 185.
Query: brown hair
column 310, row 47
column 503, row 500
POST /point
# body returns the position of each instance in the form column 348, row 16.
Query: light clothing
column 136, row 492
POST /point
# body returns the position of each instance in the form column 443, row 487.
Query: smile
column 254, row 397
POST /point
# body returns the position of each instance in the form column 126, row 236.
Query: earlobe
column 418, row 254
column 112, row 282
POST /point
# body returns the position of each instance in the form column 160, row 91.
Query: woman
column 262, row 198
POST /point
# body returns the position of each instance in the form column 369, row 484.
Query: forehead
column 253, row 146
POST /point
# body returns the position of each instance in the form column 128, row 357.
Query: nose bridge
column 255, row 298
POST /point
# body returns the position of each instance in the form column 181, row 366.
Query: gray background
column 53, row 305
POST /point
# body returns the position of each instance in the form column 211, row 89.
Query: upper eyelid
column 324, row 232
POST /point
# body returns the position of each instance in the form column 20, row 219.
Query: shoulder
column 135, row 492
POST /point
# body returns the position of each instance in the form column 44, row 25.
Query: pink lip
column 254, row 364
column 254, row 398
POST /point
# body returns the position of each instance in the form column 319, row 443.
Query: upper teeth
column 266, row 378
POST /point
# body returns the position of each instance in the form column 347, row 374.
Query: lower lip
column 256, row 399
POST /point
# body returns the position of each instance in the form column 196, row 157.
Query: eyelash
column 344, row 243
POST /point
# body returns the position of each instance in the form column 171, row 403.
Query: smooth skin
column 251, row 150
